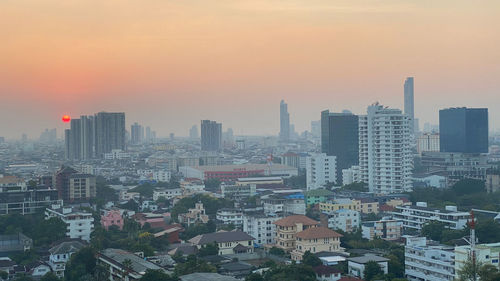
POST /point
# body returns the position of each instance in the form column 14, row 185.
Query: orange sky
column 169, row 63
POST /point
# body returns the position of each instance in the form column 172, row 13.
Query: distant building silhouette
column 409, row 102
column 284, row 122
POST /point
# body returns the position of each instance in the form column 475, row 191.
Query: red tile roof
column 295, row 219
column 317, row 232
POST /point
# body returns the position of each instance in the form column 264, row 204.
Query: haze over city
column 169, row 64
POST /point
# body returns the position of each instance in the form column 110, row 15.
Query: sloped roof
column 293, row 220
column 66, row 247
column 324, row 270
column 317, row 232
column 220, row 237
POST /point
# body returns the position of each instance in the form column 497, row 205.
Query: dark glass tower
column 211, row 135
column 339, row 137
column 463, row 130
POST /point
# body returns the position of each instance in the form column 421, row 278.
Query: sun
column 66, row 118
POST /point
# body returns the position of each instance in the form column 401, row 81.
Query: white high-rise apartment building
column 260, row 227
column 320, row 169
column 385, row 157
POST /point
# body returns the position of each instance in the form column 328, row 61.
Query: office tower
column 463, row 130
column 211, row 135
column 316, row 129
column 320, row 170
column 385, row 157
column 193, row 132
column 339, row 138
column 79, row 140
column 149, row 136
column 284, row 122
column 409, row 105
column 136, row 133
column 109, row 132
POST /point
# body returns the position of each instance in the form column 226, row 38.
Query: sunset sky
column 169, row 64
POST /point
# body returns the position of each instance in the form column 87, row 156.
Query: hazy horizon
column 170, row 64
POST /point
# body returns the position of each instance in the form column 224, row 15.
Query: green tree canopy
column 372, row 269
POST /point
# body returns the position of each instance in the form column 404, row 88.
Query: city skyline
column 230, row 59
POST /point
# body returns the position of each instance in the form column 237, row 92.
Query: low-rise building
column 194, row 215
column 287, row 229
column 60, row 255
column 238, row 192
column 228, row 242
column 351, row 175
column 166, row 193
column 315, row 240
column 356, row 265
column 112, row 217
column 123, row 265
column 14, row 243
column 79, row 224
column 427, row 261
column 317, row 196
column 345, row 220
column 340, row 203
column 383, row 229
column 327, row 273
column 230, row 216
column 320, row 170
column 260, row 227
column 485, row 253
column 414, row 217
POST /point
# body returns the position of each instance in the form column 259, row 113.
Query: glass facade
column 463, row 130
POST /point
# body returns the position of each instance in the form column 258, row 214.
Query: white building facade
column 345, row 220
column 260, row 227
column 425, row 262
column 79, row 224
column 415, row 217
column 320, row 170
column 230, row 216
column 385, row 157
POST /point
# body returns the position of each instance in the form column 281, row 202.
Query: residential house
column 112, row 217
column 314, row 240
column 79, row 223
column 384, row 229
column 61, row 253
column 288, row 227
column 194, row 215
column 327, row 273
column 229, row 242
column 356, row 265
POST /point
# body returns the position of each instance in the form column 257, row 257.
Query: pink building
column 112, row 217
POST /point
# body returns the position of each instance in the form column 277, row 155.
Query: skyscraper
column 409, row 102
column 92, row 136
column 211, row 135
column 79, row 140
column 385, row 157
column 463, row 130
column 339, row 137
column 137, row 133
column 284, row 122
column 193, row 132
column 110, row 132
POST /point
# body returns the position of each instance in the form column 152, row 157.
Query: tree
column 50, row 277
column 488, row 231
column 212, row 184
column 310, row 259
column 209, row 249
column 157, row 275
column 293, row 272
column 277, row 252
column 356, row 186
column 192, row 265
column 469, row 270
column 80, row 264
column 489, row 272
column 468, row 186
column 433, row 230
column 372, row 269
column 254, row 277
column 3, row 275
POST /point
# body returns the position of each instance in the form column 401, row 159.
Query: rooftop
column 368, row 258
column 317, row 232
column 139, row 265
column 206, row 277
column 242, row 167
column 295, row 219
column 220, row 237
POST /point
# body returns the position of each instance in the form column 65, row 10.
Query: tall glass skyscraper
column 339, row 137
column 211, row 135
column 463, row 130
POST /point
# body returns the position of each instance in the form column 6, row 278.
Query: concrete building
column 384, row 229
column 61, row 253
column 414, row 217
column 81, row 187
column 317, row 196
column 211, row 135
column 385, row 157
column 109, row 132
column 287, row 229
column 230, row 216
column 320, row 170
column 193, row 132
column 356, row 266
column 290, row 159
column 260, row 227
column 315, row 240
column 463, row 130
column 339, row 138
column 428, row 142
column 427, row 261
column 485, row 253
column 14, row 243
column 167, row 193
column 112, row 217
column 351, row 175
column 194, row 215
column 233, row 172
column 238, row 192
column 79, row 224
column 492, row 181
column 284, row 134
column 409, row 106
column 136, row 133
column 363, row 206
column 345, row 220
